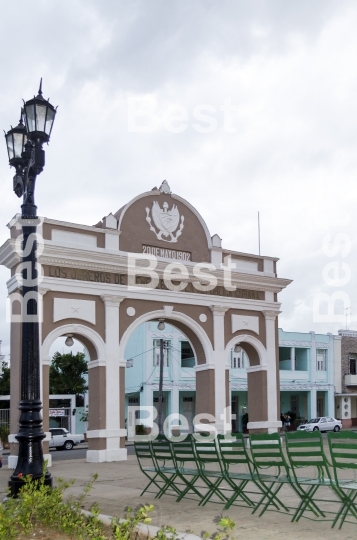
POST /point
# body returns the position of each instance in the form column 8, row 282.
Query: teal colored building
column 306, row 365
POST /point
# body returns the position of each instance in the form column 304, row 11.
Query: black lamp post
column 26, row 155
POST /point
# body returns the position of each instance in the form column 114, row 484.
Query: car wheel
column 316, row 428
column 68, row 445
column 336, row 428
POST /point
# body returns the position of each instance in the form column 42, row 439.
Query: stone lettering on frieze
column 167, row 253
column 144, row 282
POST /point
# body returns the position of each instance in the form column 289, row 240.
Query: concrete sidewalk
column 119, row 485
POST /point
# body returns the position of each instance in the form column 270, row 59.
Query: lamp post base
column 15, row 484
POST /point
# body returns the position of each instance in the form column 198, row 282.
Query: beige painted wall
column 205, row 394
column 257, row 396
column 228, row 335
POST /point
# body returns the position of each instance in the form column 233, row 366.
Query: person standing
column 282, row 418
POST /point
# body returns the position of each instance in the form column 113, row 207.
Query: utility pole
column 161, row 397
column 348, row 313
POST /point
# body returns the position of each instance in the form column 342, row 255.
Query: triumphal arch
column 152, row 259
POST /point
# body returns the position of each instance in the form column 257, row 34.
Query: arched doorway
column 204, row 387
column 143, row 376
column 97, row 382
column 263, row 381
column 206, row 399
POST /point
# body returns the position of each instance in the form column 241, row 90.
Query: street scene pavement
column 119, row 485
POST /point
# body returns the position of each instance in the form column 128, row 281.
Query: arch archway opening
column 247, row 383
column 86, row 412
column 183, row 392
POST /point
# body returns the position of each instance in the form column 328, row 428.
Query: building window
column 156, row 352
column 321, row 356
column 237, row 359
column 320, row 406
column 187, row 355
column 353, row 365
column 294, row 404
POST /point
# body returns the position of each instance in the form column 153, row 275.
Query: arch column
column 265, row 378
column 105, row 393
column 219, row 361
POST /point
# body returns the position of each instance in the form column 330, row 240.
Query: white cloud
column 289, row 68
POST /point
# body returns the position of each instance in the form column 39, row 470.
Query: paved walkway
column 119, row 485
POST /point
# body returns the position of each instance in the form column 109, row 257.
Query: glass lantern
column 39, row 117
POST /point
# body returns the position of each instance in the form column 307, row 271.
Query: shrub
column 4, row 433
column 39, row 506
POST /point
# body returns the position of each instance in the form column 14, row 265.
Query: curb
column 147, row 530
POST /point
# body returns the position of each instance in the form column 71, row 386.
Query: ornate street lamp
column 16, row 139
column 24, row 145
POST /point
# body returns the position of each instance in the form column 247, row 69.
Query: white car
column 62, row 439
column 323, row 423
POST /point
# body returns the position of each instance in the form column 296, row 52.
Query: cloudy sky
column 243, row 106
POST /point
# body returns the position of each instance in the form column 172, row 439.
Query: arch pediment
column 164, row 225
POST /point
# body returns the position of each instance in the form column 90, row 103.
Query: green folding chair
column 148, row 465
column 165, row 463
column 271, row 469
column 238, row 468
column 211, row 469
column 305, row 449
column 187, row 469
column 343, row 450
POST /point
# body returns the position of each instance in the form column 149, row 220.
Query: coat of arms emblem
column 166, row 221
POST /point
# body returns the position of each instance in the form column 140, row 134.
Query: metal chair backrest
column 184, row 453
column 143, row 449
column 207, row 453
column 343, row 450
column 144, row 454
column 162, row 452
column 267, row 452
column 305, row 449
column 233, row 451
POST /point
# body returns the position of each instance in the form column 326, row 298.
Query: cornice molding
column 102, row 260
column 117, row 263
column 291, row 343
column 8, row 255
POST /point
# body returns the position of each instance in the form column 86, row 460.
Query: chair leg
column 190, row 486
column 306, row 501
column 272, row 497
column 152, row 481
column 238, row 492
column 347, row 506
column 169, row 483
column 212, row 489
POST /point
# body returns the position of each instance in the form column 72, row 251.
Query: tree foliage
column 66, row 374
column 5, row 380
